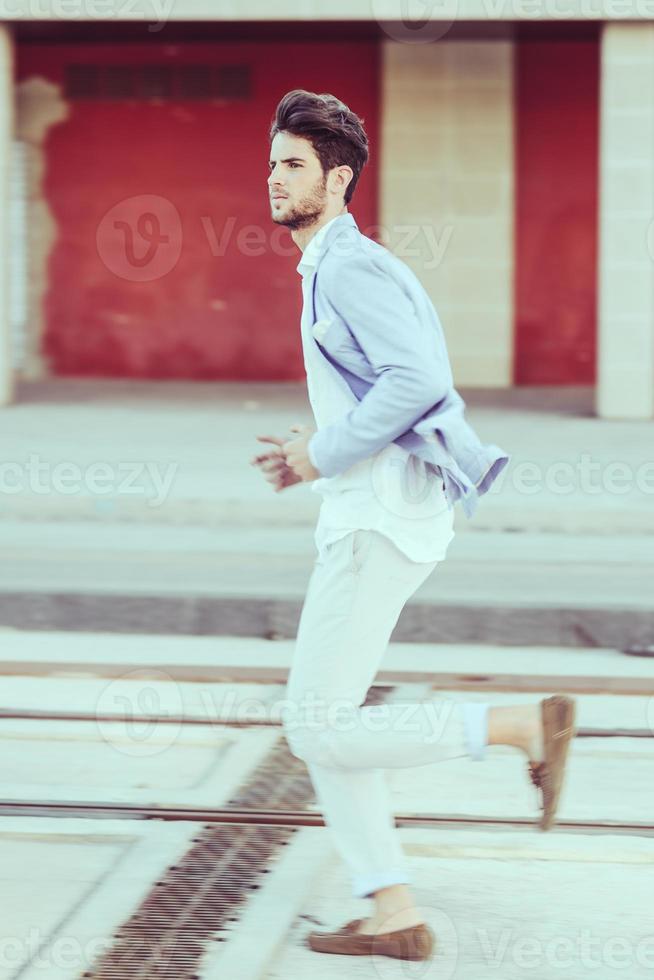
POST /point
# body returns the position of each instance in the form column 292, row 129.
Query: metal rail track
column 33, row 714
column 278, row 816
column 199, row 901
column 291, row 817
column 437, row 680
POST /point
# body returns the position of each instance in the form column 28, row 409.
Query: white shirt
column 392, row 491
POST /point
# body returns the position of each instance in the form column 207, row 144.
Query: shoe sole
column 558, row 715
column 406, row 945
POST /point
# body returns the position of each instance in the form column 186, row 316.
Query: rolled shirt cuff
column 310, row 454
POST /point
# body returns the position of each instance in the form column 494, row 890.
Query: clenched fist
column 297, row 456
column 275, row 465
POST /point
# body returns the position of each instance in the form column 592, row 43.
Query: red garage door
column 556, row 210
column 166, row 263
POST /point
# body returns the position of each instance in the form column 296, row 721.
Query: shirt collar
column 314, row 247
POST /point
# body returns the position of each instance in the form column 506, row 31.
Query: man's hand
column 297, row 457
column 273, row 465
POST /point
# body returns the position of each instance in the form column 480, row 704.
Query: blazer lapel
column 344, row 226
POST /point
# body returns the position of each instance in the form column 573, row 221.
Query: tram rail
column 292, row 817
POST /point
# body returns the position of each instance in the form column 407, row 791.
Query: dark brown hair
column 335, row 132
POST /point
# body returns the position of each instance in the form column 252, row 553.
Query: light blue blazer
column 375, row 323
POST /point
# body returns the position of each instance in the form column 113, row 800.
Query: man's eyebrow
column 289, row 160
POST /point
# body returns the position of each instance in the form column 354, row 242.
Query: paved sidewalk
column 178, row 452
column 515, row 588
column 501, row 903
column 83, row 735
column 43, row 653
column 540, row 593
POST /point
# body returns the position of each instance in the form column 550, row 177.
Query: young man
column 376, row 366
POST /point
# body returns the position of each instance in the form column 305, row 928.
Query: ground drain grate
column 168, row 935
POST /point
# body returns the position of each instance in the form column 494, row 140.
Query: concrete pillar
column 625, row 375
column 6, row 132
column 446, row 191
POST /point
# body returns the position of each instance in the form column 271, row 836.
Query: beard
column 308, row 210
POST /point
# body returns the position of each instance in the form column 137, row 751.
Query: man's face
column 296, row 184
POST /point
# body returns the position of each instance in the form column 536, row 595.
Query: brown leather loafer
column 557, row 714
column 413, row 943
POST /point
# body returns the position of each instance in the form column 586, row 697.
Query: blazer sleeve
column 403, row 352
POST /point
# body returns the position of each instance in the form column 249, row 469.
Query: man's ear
column 341, row 178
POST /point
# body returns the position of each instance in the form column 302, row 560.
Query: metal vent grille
column 198, row 900
column 233, row 82
column 82, row 82
column 195, row 82
column 169, row 933
column 158, row 82
column 118, row 83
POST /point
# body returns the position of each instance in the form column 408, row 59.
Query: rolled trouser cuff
column 364, row 885
column 475, row 717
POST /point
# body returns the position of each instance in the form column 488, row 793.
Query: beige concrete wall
column 6, row 133
column 39, row 106
column 446, row 170
column 625, row 386
column 156, row 13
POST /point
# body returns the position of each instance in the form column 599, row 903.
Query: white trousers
column 354, row 599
